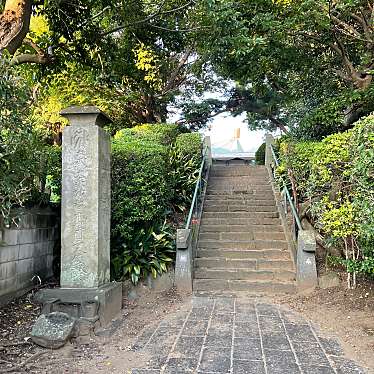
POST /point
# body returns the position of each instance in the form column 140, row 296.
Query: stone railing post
column 269, row 140
column 184, row 261
column 208, row 144
column 306, row 270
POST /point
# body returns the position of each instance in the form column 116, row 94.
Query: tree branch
column 149, row 18
column 14, row 24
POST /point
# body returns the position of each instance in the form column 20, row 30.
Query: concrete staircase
column 242, row 246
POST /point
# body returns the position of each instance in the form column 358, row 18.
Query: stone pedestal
column 86, row 293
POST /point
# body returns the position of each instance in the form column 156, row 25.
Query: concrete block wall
column 26, row 250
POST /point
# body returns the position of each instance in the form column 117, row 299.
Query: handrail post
column 269, row 140
column 306, row 272
column 208, row 146
column 184, row 261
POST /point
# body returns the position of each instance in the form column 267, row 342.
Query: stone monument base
column 92, row 308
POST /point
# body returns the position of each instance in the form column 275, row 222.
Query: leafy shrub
column 22, row 157
column 140, row 189
column 184, row 164
column 151, row 173
column 189, row 145
column 158, row 133
column 336, row 176
column 260, row 154
column 150, row 251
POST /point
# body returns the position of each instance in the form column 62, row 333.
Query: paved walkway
column 224, row 335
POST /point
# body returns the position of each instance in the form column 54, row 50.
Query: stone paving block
column 280, row 362
column 317, row 369
column 195, row 328
column 145, row 371
column 202, row 302
column 267, row 310
column 156, row 361
column 300, row 333
column 246, row 330
column 200, row 314
column 275, row 341
column 345, row 366
column 181, row 365
column 246, row 317
column 248, row 367
column 244, row 308
column 227, row 319
column 331, row 346
column 189, row 346
column 223, row 341
column 310, row 353
column 247, row 349
column 270, row 325
column 215, row 359
column 224, row 305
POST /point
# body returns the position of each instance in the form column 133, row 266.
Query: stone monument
column 86, row 293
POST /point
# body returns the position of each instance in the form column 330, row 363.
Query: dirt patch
column 346, row 314
column 109, row 353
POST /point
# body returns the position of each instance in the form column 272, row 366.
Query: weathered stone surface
column 306, row 273
column 108, row 296
column 212, row 338
column 85, row 252
column 329, row 280
column 53, row 330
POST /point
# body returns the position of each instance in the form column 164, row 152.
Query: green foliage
column 184, row 164
column 260, row 154
column 337, row 177
column 165, row 134
column 140, row 189
column 189, row 144
column 153, row 174
column 149, row 252
column 22, row 157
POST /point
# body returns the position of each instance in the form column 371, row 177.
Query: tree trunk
column 14, row 24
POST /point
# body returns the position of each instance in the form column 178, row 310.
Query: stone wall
column 26, row 250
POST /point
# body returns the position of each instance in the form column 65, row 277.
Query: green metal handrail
column 287, row 194
column 197, row 188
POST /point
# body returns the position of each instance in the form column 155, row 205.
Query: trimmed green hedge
column 158, row 133
column 189, row 144
column 154, row 170
column 140, row 188
column 260, row 154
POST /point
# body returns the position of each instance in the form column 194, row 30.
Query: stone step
column 241, row 236
column 228, row 200
column 244, row 274
column 241, row 188
column 239, row 208
column 237, row 171
column 240, row 181
column 248, row 193
column 234, row 263
column 257, row 287
column 206, row 228
column 240, row 221
column 243, row 244
column 251, row 254
column 244, row 215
